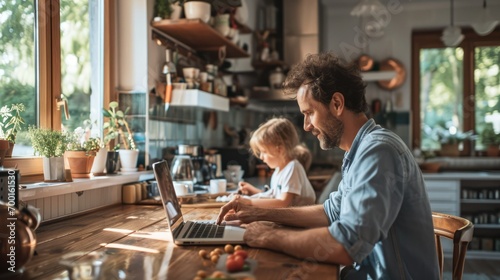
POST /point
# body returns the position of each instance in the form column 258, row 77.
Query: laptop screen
column 167, row 193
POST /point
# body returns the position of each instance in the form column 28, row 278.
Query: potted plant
column 51, row 145
column 81, row 152
column 490, row 139
column 11, row 123
column 450, row 140
column 118, row 133
column 167, row 9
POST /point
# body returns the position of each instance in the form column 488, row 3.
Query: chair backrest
column 331, row 186
column 459, row 230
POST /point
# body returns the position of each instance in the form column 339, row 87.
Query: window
column 456, row 89
column 17, row 63
column 53, row 50
column 81, row 62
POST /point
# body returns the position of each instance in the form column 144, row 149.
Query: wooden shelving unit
column 199, row 36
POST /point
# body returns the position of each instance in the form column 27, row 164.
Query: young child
column 276, row 142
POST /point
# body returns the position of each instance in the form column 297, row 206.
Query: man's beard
column 330, row 136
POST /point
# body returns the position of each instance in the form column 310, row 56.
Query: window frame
column 48, row 74
column 431, row 39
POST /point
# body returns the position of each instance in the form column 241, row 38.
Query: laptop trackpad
column 234, row 233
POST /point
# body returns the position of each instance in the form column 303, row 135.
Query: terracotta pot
column 9, row 151
column 4, row 146
column 80, row 163
column 492, row 151
column 449, row 150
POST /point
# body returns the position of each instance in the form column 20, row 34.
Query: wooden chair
column 460, row 231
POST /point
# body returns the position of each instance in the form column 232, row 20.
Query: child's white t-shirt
column 291, row 179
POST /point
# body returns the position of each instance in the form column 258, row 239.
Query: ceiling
column 347, row 5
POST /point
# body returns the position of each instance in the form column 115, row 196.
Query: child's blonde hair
column 275, row 132
column 304, row 156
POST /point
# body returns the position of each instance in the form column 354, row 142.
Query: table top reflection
column 133, row 243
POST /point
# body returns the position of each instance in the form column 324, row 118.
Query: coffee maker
column 203, row 170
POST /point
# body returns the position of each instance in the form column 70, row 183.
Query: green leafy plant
column 48, row 143
column 80, row 141
column 489, row 137
column 116, row 128
column 449, row 136
column 11, row 121
column 163, row 8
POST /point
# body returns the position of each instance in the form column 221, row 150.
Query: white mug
column 218, row 185
column 182, row 188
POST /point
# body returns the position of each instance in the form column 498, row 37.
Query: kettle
column 182, row 168
column 21, row 224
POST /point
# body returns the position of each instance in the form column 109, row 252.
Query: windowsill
column 42, row 189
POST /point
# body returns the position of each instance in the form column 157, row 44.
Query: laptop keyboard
column 204, row 230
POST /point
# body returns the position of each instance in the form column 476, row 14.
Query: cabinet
column 474, row 196
column 444, row 195
column 480, row 203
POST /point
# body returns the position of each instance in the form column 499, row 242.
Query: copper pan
column 365, row 62
column 392, row 64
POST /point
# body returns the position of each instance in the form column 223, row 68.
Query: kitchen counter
column 136, row 244
column 48, row 189
column 480, row 175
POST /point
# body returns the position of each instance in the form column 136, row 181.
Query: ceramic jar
column 276, row 78
column 197, row 9
column 222, row 24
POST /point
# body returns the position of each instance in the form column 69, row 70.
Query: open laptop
column 190, row 232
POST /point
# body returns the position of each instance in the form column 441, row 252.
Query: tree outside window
column 455, row 89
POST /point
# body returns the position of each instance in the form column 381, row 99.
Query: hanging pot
column 395, row 65
column 365, row 62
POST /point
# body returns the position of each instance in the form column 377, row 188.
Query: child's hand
column 247, row 189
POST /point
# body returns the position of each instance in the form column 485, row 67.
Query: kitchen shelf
column 478, row 254
column 198, row 98
column 378, row 76
column 259, row 64
column 487, row 226
column 198, row 35
column 481, row 201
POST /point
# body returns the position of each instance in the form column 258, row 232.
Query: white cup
column 218, row 185
column 183, row 188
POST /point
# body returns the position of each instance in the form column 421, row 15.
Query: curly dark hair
column 326, row 74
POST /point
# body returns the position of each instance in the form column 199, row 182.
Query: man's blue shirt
column 381, row 212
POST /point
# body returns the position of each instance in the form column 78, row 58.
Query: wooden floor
column 475, row 269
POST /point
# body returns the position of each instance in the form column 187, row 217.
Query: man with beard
column 379, row 222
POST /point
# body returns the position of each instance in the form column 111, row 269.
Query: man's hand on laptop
column 238, row 208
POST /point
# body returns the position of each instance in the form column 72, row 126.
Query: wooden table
column 136, row 244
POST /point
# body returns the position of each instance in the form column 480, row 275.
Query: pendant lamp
column 452, row 35
column 486, row 24
column 367, row 7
